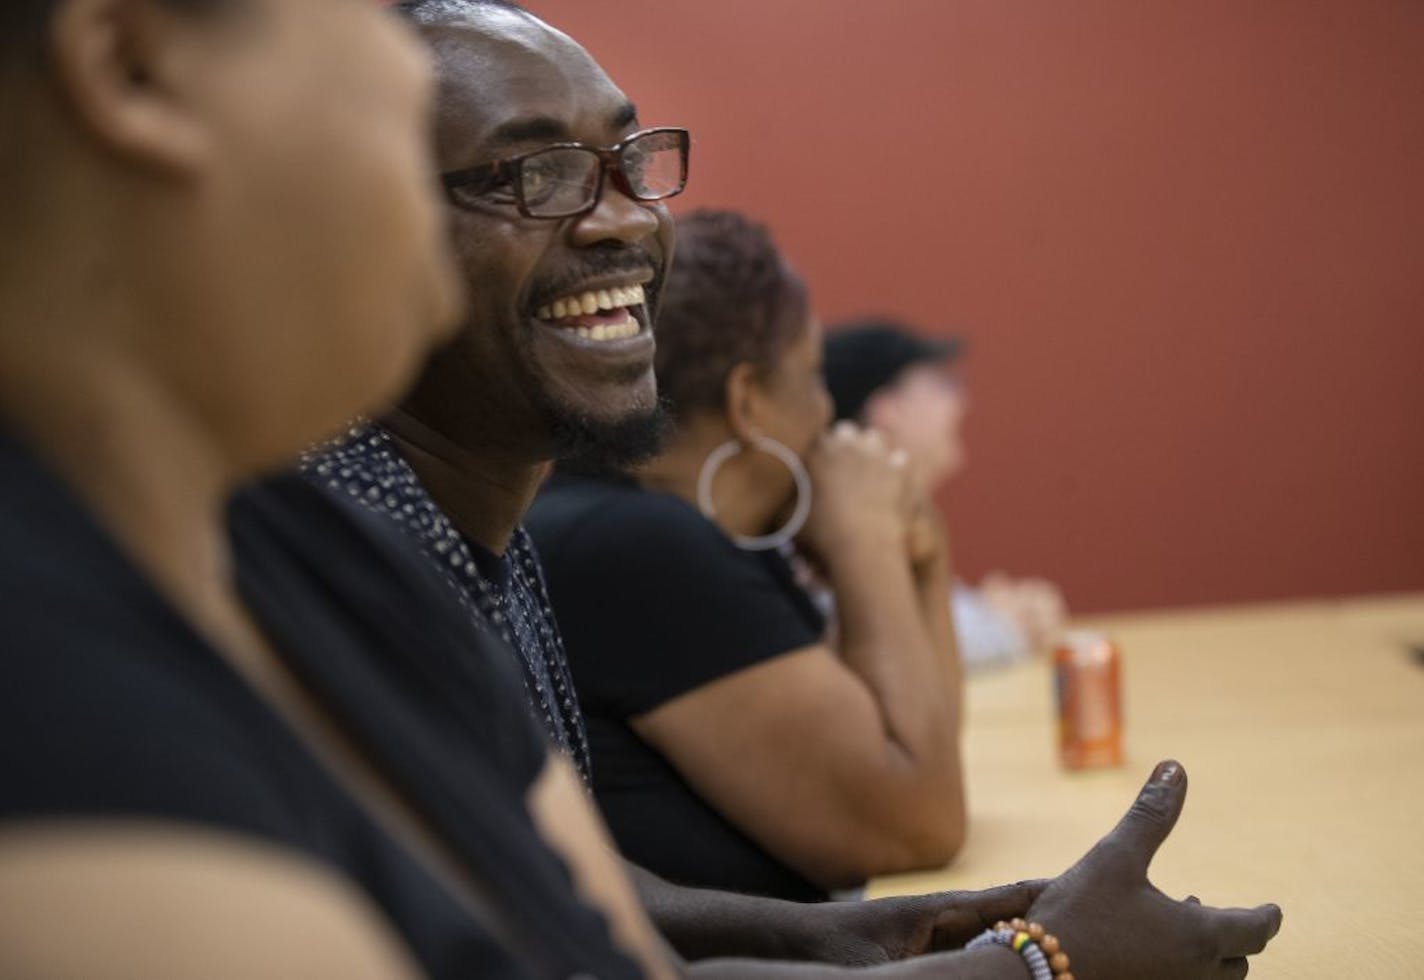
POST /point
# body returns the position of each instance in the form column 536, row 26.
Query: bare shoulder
column 568, row 821
column 148, row 901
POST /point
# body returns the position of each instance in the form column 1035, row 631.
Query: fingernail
column 1168, row 772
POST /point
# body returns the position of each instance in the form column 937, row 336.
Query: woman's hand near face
column 858, row 493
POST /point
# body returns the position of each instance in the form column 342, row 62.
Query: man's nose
column 616, row 217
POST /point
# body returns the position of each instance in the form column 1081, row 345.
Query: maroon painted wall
column 1185, row 239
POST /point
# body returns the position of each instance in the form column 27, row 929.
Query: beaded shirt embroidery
column 504, row 595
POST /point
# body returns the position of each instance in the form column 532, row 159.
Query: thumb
column 1152, row 815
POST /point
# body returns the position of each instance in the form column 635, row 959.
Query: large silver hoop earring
column 802, row 510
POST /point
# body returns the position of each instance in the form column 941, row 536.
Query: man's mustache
column 631, row 262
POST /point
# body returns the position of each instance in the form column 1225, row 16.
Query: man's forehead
column 510, row 82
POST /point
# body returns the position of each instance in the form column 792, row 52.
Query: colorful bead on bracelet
column 1040, row 951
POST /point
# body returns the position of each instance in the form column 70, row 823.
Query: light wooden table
column 1302, row 731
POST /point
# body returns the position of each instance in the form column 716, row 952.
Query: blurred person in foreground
column 735, row 743
column 906, row 387
column 240, row 736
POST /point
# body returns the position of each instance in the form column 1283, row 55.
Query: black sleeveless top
column 112, row 706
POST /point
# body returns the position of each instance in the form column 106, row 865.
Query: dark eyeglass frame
column 510, row 170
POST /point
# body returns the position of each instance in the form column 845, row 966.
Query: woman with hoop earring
column 739, row 741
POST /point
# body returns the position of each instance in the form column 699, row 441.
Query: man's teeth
column 610, row 331
column 591, row 302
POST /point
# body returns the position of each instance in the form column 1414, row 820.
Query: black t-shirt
column 654, row 601
column 112, row 706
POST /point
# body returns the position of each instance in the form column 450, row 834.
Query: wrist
column 1041, row 951
column 815, row 932
column 1008, row 963
column 863, row 535
column 932, row 567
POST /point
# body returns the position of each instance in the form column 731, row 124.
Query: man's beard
column 591, row 445
column 583, row 442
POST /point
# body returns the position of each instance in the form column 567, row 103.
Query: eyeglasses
column 566, row 179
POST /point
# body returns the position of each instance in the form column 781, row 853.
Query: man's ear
column 745, row 400
column 126, row 69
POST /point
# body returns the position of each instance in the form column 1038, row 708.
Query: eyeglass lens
column 563, row 180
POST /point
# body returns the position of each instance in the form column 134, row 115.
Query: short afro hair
column 730, row 299
column 434, row 11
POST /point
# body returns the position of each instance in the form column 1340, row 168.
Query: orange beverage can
column 1087, row 672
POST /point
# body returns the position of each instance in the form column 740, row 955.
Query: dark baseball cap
column 863, row 356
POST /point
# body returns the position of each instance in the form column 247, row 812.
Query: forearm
column 933, row 585
column 703, row 922
column 895, row 644
column 992, row 963
column 900, row 644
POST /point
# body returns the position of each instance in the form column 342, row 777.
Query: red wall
column 1185, row 239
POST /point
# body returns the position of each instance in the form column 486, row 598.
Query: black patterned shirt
column 504, row 595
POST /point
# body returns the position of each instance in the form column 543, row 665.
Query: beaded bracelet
column 1045, row 958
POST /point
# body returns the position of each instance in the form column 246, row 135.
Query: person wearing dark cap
column 884, row 376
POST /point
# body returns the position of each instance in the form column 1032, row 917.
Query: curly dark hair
column 730, row 299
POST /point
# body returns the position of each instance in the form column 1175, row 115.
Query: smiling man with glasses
column 555, row 209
